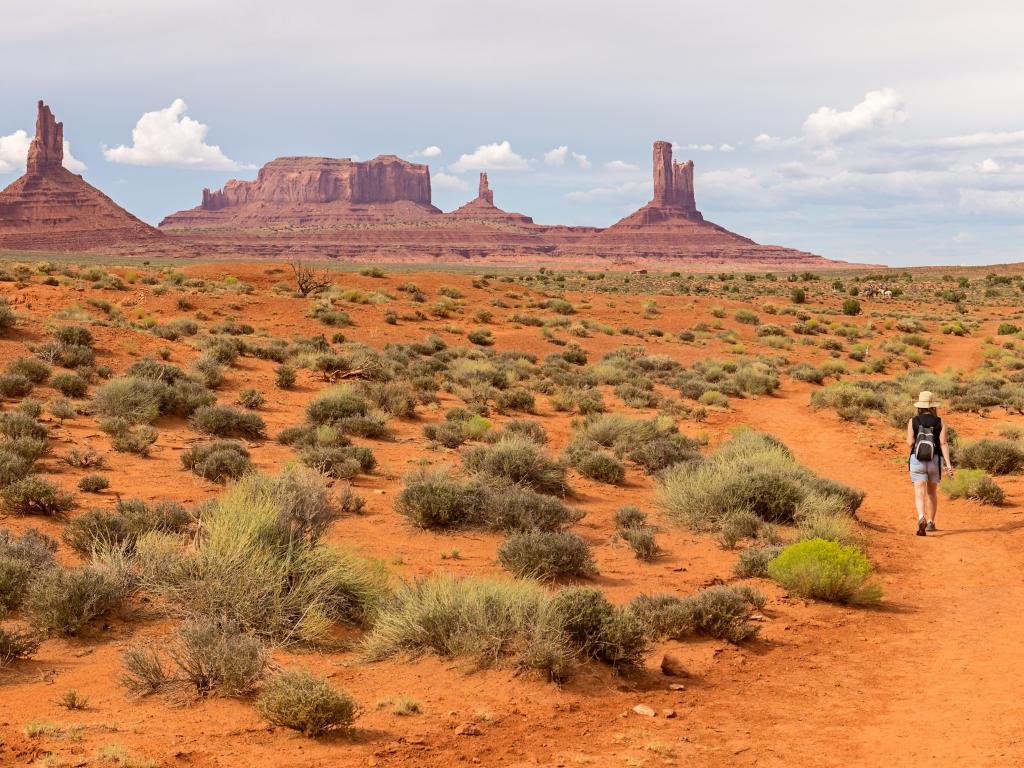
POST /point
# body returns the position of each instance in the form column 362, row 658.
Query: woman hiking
column 929, row 455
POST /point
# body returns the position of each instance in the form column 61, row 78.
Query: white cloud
column 168, row 137
column 976, row 140
column 631, row 191
column 491, row 157
column 14, row 154
column 988, row 165
column 726, row 148
column 556, row 156
column 878, row 109
column 620, row 166
column 581, row 160
column 442, row 180
column 698, row 147
column 14, row 151
column 432, row 151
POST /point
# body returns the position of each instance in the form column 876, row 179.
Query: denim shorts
column 925, row 470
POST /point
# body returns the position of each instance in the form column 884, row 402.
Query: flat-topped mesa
column 47, row 148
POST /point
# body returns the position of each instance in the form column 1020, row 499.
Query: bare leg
column 933, row 499
column 921, row 498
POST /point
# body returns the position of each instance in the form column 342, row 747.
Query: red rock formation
column 50, row 208
column 315, row 191
column 482, row 207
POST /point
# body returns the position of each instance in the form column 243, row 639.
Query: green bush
column 641, row 539
column 15, row 425
column 34, row 495
column 219, row 461
column 31, row 368
column 598, row 629
column 7, row 317
column 225, row 421
column 547, row 555
column 719, row 612
column 798, row 295
column 93, row 484
column 303, row 702
column 973, row 484
column 851, row 307
column 826, row 570
column 338, row 403
column 481, row 336
column 437, row 500
column 518, row 460
column 601, row 466
column 14, row 385
column 483, row 618
column 285, row 376
column 253, row 570
column 998, row 457
column 70, row 384
column 61, row 601
column 251, row 398
column 122, row 527
column 74, row 334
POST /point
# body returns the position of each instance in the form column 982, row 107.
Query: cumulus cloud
column 556, row 156
column 491, row 157
column 432, row 151
column 168, row 137
column 696, row 147
column 631, row 191
column 878, row 109
column 581, row 160
column 988, row 165
column 726, row 148
column 620, row 166
column 14, row 154
column 442, row 180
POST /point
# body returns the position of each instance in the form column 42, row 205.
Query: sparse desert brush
column 599, row 465
column 751, row 472
column 598, row 629
column 753, row 561
column 826, row 570
column 439, row 500
column 7, row 317
column 34, row 495
column 122, row 527
column 17, row 644
column 719, row 612
column 70, row 384
column 483, row 618
column 14, row 385
column 219, row 461
column 547, row 555
column 93, row 484
column 973, row 484
column 31, row 368
column 301, row 701
column 998, row 457
column 61, row 601
column 249, row 566
column 341, row 402
column 519, row 460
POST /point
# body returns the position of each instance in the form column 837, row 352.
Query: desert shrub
column 483, row 618
column 32, row 369
column 438, row 500
column 285, row 376
column 14, row 385
column 598, row 629
column 301, row 701
column 973, row 484
column 137, row 440
column 7, row 317
column 93, row 484
column 851, row 307
column 661, row 452
column 509, row 507
column 17, row 644
column 213, row 658
column 824, row 517
column 336, row 404
column 747, row 317
column 251, row 398
column 641, row 539
column 753, row 561
column 13, row 466
column 226, row 421
column 251, row 568
column 481, row 336
column 60, row 601
column 753, row 473
column 998, row 457
column 518, row 460
column 798, row 296
column 34, row 495
column 517, row 399
column 74, row 334
column 547, row 555
column 30, row 407
column 15, row 425
column 70, row 384
column 1008, row 329
column 132, row 398
column 601, row 466
column 719, row 612
column 122, row 527
column 219, row 461
column 393, row 397
column 825, row 570
column 343, row 462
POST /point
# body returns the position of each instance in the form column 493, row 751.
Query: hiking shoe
column 930, row 526
column 922, row 526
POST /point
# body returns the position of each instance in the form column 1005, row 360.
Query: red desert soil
column 931, row 677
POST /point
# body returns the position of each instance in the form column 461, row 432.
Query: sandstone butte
column 51, row 208
column 374, row 210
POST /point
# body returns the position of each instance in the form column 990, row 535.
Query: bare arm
column 944, row 441
column 910, row 433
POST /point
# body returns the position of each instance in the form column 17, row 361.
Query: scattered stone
column 643, row 709
column 671, row 666
column 669, row 714
column 677, row 687
column 468, row 729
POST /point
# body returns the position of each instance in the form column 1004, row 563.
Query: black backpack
column 924, row 443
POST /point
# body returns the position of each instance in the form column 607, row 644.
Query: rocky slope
column 50, row 208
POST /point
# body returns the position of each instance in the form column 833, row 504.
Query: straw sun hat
column 926, row 400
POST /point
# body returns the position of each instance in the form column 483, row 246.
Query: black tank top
column 929, row 420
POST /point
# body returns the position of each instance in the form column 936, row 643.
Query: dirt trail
column 934, row 677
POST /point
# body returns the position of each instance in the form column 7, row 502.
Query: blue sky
column 879, row 132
